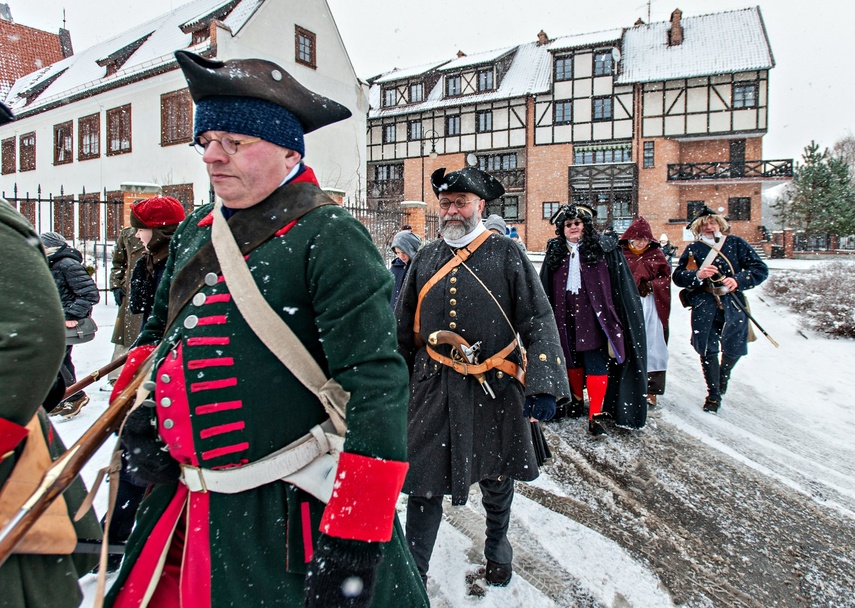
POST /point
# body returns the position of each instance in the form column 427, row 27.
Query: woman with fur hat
column 155, row 220
column 600, row 321
column 652, row 274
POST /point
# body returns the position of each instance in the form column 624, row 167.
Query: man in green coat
column 223, row 404
column 32, row 346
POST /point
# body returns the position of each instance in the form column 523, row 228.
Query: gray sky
column 812, row 91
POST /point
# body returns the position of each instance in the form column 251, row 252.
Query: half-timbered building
column 654, row 120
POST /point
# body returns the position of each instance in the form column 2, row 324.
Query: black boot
column 724, row 374
column 576, row 407
column 712, row 373
column 595, row 428
column 498, row 575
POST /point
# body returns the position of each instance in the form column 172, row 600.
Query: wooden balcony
column 746, row 171
column 511, row 179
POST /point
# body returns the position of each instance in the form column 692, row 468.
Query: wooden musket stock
column 95, row 376
column 66, row 468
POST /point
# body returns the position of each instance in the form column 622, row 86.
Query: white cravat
column 712, row 242
column 466, row 238
column 574, row 274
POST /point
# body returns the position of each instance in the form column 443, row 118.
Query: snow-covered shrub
column 824, row 296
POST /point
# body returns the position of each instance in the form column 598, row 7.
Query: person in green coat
column 32, row 346
column 223, row 403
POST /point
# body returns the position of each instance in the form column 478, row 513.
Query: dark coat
column 399, row 271
column 127, row 251
column 143, row 286
column 77, row 291
column 748, row 270
column 626, row 391
column 458, row 435
column 33, row 345
column 336, row 301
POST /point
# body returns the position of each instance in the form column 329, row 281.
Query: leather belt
column 320, row 440
column 497, row 361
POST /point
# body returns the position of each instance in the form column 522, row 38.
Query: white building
column 120, row 112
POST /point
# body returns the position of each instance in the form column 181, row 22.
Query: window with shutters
column 119, row 130
column 89, row 216
column 27, row 158
column 176, row 118
column 89, row 137
column 115, row 205
column 8, row 152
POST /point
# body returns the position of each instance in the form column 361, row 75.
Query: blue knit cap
column 250, row 116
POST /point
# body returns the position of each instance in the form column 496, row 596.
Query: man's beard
column 459, row 226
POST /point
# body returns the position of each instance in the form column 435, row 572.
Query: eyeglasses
column 228, row 143
column 573, row 223
column 460, row 202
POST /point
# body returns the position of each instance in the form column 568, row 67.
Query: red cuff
column 11, row 435
column 362, row 506
column 135, row 359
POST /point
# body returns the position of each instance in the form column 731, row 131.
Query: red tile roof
column 24, row 50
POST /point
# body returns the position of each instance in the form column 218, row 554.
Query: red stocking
column 596, row 394
column 576, row 376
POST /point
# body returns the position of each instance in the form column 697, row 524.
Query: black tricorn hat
column 702, row 212
column 567, row 212
column 469, row 179
column 260, row 79
column 5, row 114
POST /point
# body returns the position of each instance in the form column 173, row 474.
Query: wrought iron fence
column 382, row 223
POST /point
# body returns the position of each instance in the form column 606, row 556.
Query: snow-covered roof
column 162, row 36
column 478, row 59
column 529, row 73
column 718, row 43
column 582, row 40
column 400, row 74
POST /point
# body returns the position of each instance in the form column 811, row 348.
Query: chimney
column 65, row 42
column 638, row 22
column 460, row 54
column 675, row 35
column 542, row 38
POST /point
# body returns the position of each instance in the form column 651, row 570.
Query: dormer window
column 603, row 63
column 417, row 92
column 115, row 61
column 452, row 86
column 485, row 80
column 388, row 97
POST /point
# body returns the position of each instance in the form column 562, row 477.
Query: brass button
column 454, row 271
column 500, row 375
column 452, row 325
column 452, row 313
column 558, row 360
column 453, row 302
column 453, row 290
column 211, row 279
column 199, row 299
column 542, row 357
column 452, row 280
column 168, row 423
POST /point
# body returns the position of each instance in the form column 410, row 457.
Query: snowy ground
column 753, row 506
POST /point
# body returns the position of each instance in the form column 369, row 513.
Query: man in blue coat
column 714, row 270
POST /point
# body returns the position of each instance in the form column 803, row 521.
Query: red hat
column 156, row 212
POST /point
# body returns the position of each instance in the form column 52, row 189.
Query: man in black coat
column 469, row 420
column 714, row 271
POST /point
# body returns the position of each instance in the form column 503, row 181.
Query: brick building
column 24, row 49
column 654, row 120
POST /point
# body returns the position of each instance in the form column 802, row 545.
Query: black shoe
column 711, row 405
column 498, row 575
column 596, row 429
column 576, row 408
column 722, row 384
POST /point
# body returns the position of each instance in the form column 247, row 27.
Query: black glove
column 119, row 295
column 148, row 460
column 341, row 573
column 541, row 407
column 644, row 288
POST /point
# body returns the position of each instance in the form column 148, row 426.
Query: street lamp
column 432, row 136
